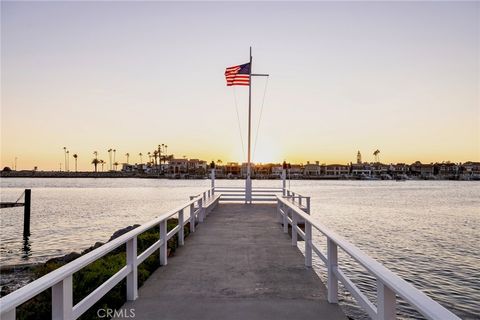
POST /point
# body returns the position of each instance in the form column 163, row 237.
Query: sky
column 401, row 77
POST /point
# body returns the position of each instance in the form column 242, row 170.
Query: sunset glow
column 399, row 77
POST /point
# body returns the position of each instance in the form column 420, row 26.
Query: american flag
column 238, row 75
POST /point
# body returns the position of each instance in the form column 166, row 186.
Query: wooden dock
column 237, row 265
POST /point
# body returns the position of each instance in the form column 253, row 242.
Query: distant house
column 277, row 171
column 127, row 167
column 416, row 168
column 399, row 168
column 137, row 167
column 471, row 168
column 295, row 171
column 232, row 170
column 446, row 169
column 361, row 169
column 427, row 170
column 337, row 170
column 196, row 167
column 312, row 170
column 178, row 166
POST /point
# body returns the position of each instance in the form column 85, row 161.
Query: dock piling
column 26, row 212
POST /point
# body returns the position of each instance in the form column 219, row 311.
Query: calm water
column 428, row 232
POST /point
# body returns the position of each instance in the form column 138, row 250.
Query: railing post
column 132, row 277
column 308, row 205
column 181, row 233
column 308, row 244
column 279, row 211
column 386, row 302
column 284, row 181
column 204, row 197
column 332, row 264
column 285, row 221
column 164, row 245
column 294, row 229
column 212, row 177
column 201, row 212
column 62, row 300
column 288, row 193
column 300, row 201
column 192, row 217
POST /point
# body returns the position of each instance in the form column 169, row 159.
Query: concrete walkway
column 237, row 265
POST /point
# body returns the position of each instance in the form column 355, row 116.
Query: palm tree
column 140, row 155
column 95, row 163
column 102, row 163
column 110, row 157
column 128, row 156
column 149, row 157
column 377, row 157
column 65, row 154
column 115, row 164
column 114, row 152
column 67, row 168
column 75, row 156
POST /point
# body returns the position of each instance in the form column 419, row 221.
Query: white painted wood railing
column 299, row 200
column 389, row 285
column 259, row 194
column 60, row 280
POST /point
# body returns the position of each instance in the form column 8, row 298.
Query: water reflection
column 26, row 249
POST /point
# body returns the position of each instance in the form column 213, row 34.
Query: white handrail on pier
column 60, row 280
column 389, row 285
column 259, row 194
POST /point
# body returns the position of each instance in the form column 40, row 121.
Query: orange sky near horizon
column 399, row 77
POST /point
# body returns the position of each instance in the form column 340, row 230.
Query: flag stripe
column 238, row 75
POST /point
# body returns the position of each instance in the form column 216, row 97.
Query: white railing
column 296, row 198
column 389, row 285
column 259, row 194
column 60, row 280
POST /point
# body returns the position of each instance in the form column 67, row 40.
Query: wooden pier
column 237, row 265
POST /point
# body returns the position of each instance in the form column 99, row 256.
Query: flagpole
column 248, row 182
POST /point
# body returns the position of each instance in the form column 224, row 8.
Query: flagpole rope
column 260, row 117
column 20, row 196
column 238, row 122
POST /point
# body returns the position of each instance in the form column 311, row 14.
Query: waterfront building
column 277, row 171
column 360, row 170
column 471, row 168
column 337, row 170
column 447, row 169
column 178, row 166
column 295, row 171
column 312, row 170
column 232, row 170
